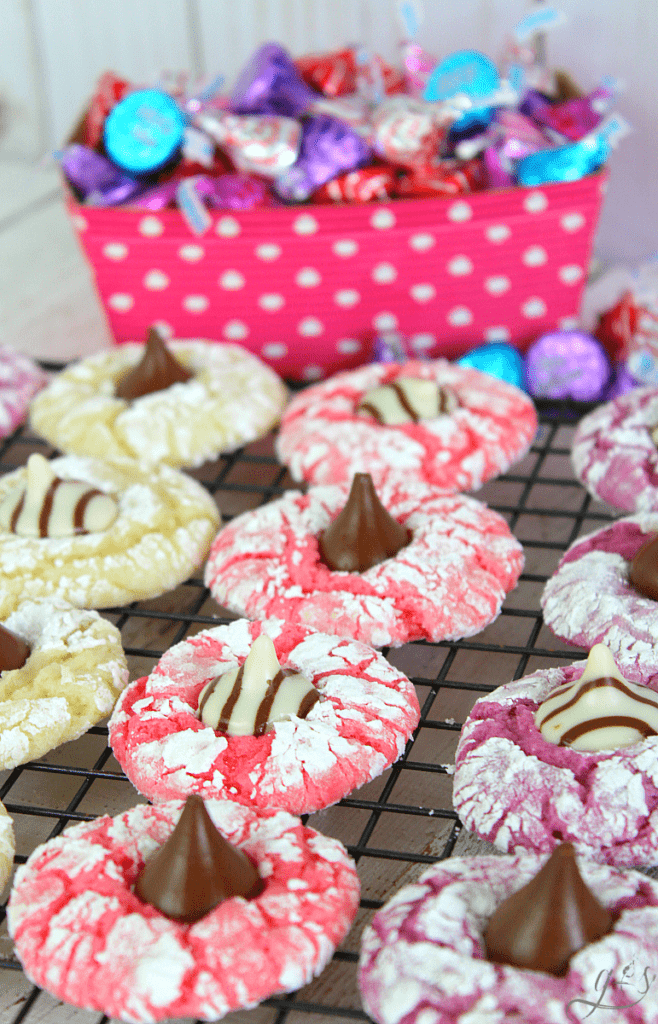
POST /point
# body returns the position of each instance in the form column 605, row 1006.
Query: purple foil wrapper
column 271, row 84
column 575, row 118
column 517, row 135
column 234, row 192
column 567, row 364
column 328, row 148
column 96, row 178
column 389, row 347
column 497, row 170
column 621, row 381
column 157, row 198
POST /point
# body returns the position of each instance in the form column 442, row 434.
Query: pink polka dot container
column 307, row 288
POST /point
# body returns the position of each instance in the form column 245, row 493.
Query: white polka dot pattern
column 482, row 266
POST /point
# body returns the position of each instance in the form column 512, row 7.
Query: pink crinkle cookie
column 613, row 453
column 448, row 583
column 367, row 712
column 517, row 790
column 323, row 440
column 83, row 935
column 591, row 600
column 20, row 379
column 422, row 958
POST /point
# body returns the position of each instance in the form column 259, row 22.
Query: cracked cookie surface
column 83, row 935
column 323, row 440
column 366, row 713
column 161, row 535
column 6, row 846
column 74, row 673
column 518, row 790
column 233, row 398
column 447, row 583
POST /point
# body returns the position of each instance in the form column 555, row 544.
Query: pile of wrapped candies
column 341, row 127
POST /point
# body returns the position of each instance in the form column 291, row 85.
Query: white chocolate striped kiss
column 247, row 700
column 408, row 400
column 51, row 507
column 599, row 711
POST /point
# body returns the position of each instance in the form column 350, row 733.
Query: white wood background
column 52, row 52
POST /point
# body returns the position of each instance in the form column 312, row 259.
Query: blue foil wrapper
column 328, row 148
column 566, row 163
column 144, row 131
column 499, row 359
column 567, row 364
column 96, row 178
column 271, row 84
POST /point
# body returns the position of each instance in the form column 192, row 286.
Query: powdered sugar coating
column 514, row 788
column 83, row 935
column 448, row 582
column 20, row 379
column 74, row 673
column 422, row 958
column 160, row 536
column 591, row 600
column 359, row 727
column 613, row 453
column 322, row 439
column 6, row 847
column 233, row 398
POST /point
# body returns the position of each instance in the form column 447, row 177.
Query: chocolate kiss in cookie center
column 14, row 652
column 548, row 920
column 156, row 371
column 643, row 571
column 364, row 533
column 196, row 869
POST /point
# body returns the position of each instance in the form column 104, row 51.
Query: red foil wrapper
column 442, row 178
column 337, row 73
column 360, row 186
column 109, row 91
column 617, row 327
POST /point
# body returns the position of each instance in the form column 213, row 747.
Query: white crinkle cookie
column 74, row 673
column 6, row 847
column 162, row 532
column 232, row 399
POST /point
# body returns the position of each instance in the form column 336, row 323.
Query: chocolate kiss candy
column 364, row 533
column 543, row 924
column 643, row 572
column 157, row 370
column 196, row 869
column 14, row 652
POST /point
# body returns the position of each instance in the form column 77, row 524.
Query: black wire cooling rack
column 394, row 826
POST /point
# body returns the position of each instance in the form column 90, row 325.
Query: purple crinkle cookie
column 517, row 790
column 422, row 958
column 590, row 599
column 613, row 453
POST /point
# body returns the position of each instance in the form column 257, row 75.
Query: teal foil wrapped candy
column 500, row 360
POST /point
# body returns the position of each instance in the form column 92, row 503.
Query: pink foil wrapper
column 328, row 148
column 234, row 192
column 516, row 135
column 407, row 131
column 263, row 143
column 575, row 118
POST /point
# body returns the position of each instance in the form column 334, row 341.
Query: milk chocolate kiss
column 364, row 533
column 543, row 924
column 643, row 572
column 196, row 869
column 14, row 652
column 156, row 371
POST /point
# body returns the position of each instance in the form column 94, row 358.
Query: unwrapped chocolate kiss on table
column 196, row 869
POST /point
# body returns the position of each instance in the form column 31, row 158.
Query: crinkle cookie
column 367, row 712
column 448, row 582
column 422, row 958
column 614, row 454
column 6, row 847
column 518, row 790
column 83, row 935
column 323, row 439
column 73, row 675
column 161, row 534
column 232, row 399
column 20, row 379
column 590, row 598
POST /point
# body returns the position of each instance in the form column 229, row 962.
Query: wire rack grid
column 394, row 826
